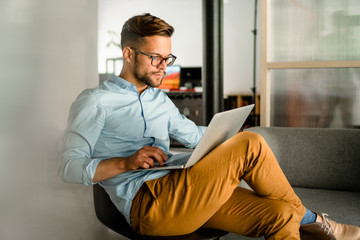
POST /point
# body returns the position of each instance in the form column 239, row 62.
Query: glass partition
column 314, row 30
column 315, row 97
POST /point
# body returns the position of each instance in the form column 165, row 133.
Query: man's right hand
column 145, row 158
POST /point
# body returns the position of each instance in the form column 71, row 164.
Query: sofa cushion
column 342, row 206
column 316, row 158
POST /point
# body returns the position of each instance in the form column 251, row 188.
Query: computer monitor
column 172, row 78
column 190, row 77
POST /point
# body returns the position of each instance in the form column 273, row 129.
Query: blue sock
column 309, row 217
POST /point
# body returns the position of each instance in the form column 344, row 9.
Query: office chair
column 108, row 214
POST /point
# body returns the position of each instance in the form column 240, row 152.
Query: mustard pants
column 207, row 195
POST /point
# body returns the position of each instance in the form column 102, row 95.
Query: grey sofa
column 323, row 166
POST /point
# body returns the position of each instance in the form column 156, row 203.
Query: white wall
column 47, row 56
column 186, row 17
column 238, row 46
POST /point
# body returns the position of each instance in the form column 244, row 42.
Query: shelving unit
column 238, row 100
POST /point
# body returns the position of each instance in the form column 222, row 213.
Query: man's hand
column 145, row 158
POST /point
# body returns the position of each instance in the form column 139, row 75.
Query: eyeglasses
column 158, row 60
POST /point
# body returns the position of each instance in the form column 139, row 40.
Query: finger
column 155, row 153
column 147, row 162
column 159, row 157
column 162, row 154
column 144, row 165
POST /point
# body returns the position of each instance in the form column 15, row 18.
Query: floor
column 35, row 204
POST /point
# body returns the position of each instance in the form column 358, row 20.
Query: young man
column 125, row 124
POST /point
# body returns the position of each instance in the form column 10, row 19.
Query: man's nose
column 163, row 64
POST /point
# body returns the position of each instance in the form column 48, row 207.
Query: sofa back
column 316, row 158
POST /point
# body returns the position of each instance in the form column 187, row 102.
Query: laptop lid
column 222, row 126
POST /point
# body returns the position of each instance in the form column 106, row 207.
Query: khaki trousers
column 207, row 195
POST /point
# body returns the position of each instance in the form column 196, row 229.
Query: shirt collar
column 121, row 82
column 125, row 84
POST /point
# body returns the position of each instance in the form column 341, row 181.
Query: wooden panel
column 265, row 81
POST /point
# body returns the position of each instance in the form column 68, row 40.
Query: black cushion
column 108, row 214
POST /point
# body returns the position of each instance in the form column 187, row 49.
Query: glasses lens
column 156, row 61
column 171, row 60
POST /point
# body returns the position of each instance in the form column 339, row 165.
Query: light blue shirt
column 114, row 120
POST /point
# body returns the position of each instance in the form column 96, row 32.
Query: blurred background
column 47, row 56
column 51, row 50
column 328, row 31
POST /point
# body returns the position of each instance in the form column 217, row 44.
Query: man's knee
column 252, row 136
column 249, row 139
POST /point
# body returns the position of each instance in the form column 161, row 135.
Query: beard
column 147, row 77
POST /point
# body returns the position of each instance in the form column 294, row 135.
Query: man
column 125, row 124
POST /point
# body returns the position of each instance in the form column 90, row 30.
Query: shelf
column 239, row 100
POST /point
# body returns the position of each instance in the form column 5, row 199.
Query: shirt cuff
column 89, row 170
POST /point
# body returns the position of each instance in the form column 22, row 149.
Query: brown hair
column 141, row 26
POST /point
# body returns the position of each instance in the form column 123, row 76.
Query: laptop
column 222, row 126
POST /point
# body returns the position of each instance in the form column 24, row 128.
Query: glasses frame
column 153, row 58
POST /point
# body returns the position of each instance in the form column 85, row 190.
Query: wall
column 47, row 56
column 186, row 17
column 238, row 46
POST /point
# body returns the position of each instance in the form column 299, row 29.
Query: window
column 310, row 63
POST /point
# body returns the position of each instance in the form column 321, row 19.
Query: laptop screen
column 172, row 78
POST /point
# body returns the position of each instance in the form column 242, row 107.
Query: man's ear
column 128, row 54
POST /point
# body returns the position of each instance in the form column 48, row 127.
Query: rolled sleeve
column 182, row 129
column 86, row 121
